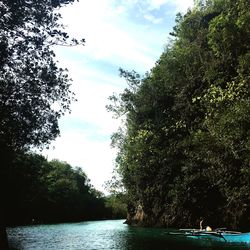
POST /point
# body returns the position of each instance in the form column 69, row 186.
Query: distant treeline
column 42, row 191
column 184, row 152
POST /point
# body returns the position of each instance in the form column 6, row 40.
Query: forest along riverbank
column 107, row 234
column 184, row 150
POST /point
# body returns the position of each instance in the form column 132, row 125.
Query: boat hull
column 224, row 237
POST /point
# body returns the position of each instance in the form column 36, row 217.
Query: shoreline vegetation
column 184, row 146
column 47, row 192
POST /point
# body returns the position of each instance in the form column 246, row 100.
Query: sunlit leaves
column 184, row 152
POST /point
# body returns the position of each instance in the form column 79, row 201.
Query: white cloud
column 183, row 5
column 113, row 40
column 87, row 142
column 153, row 19
column 149, row 5
column 108, row 35
column 156, row 4
column 94, row 157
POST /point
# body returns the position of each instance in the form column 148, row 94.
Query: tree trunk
column 4, row 177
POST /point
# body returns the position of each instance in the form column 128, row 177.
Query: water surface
column 109, row 234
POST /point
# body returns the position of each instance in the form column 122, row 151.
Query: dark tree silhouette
column 34, row 91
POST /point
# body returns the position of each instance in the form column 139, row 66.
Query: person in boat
column 208, row 228
column 201, row 221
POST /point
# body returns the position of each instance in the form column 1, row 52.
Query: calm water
column 110, row 234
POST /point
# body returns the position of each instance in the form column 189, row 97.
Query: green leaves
column 31, row 84
column 51, row 191
column 184, row 152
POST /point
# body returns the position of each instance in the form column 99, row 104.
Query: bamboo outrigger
column 220, row 234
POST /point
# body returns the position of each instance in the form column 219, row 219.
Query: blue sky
column 128, row 34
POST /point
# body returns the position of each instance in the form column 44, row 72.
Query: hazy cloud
column 119, row 33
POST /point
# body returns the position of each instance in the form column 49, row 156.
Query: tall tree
column 34, row 91
column 184, row 151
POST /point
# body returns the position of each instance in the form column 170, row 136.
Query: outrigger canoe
column 216, row 235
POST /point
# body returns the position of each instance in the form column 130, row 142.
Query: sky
column 128, row 34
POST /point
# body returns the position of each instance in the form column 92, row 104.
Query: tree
column 184, row 150
column 44, row 191
column 34, row 91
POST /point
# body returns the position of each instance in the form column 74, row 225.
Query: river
column 104, row 235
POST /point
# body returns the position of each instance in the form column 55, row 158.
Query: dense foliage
column 184, row 151
column 34, row 91
column 44, row 191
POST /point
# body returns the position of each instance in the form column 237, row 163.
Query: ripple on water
column 102, row 235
